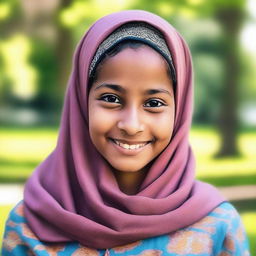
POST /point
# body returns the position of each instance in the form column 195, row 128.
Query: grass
column 22, row 149
column 227, row 171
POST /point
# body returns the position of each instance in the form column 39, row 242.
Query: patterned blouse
column 220, row 233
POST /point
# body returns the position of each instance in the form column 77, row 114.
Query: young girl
column 121, row 180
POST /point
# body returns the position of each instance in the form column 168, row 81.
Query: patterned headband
column 138, row 31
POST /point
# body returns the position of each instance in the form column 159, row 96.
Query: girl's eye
column 154, row 104
column 110, row 98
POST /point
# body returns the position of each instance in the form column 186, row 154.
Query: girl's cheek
column 100, row 120
column 163, row 125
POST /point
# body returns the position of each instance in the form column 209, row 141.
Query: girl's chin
column 129, row 168
column 126, row 169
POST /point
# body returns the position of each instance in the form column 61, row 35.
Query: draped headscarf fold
column 73, row 194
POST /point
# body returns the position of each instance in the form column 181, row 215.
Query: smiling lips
column 130, row 146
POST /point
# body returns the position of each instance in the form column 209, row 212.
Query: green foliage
column 192, row 8
column 9, row 11
column 80, row 14
column 19, row 71
column 48, row 95
column 247, row 87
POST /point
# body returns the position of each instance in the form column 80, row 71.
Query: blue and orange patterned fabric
column 220, row 233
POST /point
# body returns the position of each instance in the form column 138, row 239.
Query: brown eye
column 154, row 103
column 110, row 98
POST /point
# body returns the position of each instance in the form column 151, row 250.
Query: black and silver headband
column 137, row 31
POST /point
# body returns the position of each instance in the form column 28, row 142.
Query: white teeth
column 125, row 146
column 130, row 147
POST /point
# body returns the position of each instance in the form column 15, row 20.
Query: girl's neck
column 129, row 182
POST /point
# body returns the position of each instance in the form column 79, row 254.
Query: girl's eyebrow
column 114, row 87
column 120, row 89
column 155, row 91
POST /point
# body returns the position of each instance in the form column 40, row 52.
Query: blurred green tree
column 10, row 15
column 64, row 45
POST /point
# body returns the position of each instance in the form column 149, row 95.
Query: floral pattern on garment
column 220, row 233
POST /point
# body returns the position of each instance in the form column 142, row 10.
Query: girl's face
column 131, row 108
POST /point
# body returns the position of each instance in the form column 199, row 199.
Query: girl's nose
column 131, row 122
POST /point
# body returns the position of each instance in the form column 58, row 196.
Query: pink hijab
column 73, row 194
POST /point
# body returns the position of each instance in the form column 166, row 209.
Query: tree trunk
column 64, row 46
column 231, row 21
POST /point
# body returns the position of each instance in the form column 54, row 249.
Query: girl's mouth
column 130, row 145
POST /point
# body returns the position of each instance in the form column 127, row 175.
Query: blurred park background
column 37, row 40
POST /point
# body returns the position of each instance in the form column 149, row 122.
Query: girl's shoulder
column 220, row 223
column 20, row 240
column 224, row 214
column 221, row 232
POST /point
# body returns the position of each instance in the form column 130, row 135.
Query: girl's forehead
column 139, row 69
column 143, row 56
column 133, row 31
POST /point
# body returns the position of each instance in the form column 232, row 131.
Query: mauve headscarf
column 73, row 194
